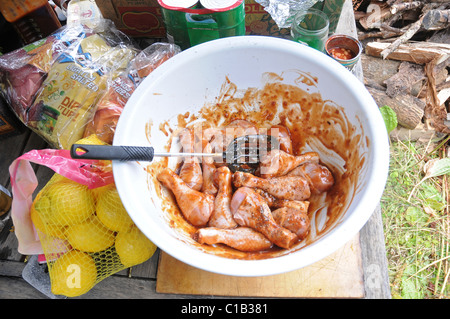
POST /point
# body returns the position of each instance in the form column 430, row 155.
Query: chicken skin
column 222, row 217
column 241, row 238
column 208, row 169
column 283, row 187
column 247, row 212
column 290, row 214
column 191, row 171
column 278, row 163
column 284, row 137
column 195, row 206
column 274, row 202
column 250, row 210
column 294, row 218
column 319, row 177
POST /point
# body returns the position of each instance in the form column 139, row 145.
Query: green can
column 187, row 27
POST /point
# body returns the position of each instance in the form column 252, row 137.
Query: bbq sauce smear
column 314, row 124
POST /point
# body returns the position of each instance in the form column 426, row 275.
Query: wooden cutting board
column 339, row 275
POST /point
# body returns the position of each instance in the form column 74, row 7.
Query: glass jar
column 310, row 27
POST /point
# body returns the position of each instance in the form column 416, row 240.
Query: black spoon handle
column 107, row 152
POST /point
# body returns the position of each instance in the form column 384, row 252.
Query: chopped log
column 393, row 18
column 420, row 133
column 443, row 96
column 412, row 30
column 436, row 14
column 408, row 108
column 441, row 79
column 376, row 14
column 435, row 112
column 391, row 2
column 403, row 6
column 376, row 70
column 442, row 36
column 386, row 32
column 411, row 15
column 444, row 86
column 408, row 75
column 373, row 84
column 420, row 52
column 359, row 15
column 436, row 20
column 387, row 27
column 377, row 34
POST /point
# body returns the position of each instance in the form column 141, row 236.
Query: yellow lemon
column 99, row 190
column 57, row 178
column 110, row 209
column 47, row 229
column 73, row 274
column 133, row 247
column 90, row 236
column 92, row 139
column 65, row 203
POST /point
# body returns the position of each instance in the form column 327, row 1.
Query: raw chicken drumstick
column 196, row 207
column 221, row 216
column 290, row 214
column 274, row 202
column 191, row 171
column 208, row 168
column 279, row 163
column 293, row 218
column 284, row 137
column 249, row 209
column 241, row 238
column 319, row 177
column 283, row 187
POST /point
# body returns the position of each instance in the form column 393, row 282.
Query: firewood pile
column 416, row 34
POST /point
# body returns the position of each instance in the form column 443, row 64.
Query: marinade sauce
column 315, row 125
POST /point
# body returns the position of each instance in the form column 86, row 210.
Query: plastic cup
column 310, row 27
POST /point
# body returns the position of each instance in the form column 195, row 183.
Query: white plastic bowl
column 194, row 78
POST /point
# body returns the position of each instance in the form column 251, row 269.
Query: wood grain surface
column 339, row 275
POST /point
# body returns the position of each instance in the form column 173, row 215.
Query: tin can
column 187, row 27
column 351, row 45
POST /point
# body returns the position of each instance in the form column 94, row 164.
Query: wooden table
column 19, row 273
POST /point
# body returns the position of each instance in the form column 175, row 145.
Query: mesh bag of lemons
column 86, row 234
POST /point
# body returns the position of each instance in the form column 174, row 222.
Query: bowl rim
column 310, row 253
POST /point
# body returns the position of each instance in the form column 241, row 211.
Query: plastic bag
column 83, row 243
column 57, row 96
column 22, row 71
column 120, row 88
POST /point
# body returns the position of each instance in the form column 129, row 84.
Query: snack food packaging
column 120, row 87
column 22, row 71
column 53, row 85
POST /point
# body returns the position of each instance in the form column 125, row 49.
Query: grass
column 417, row 223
